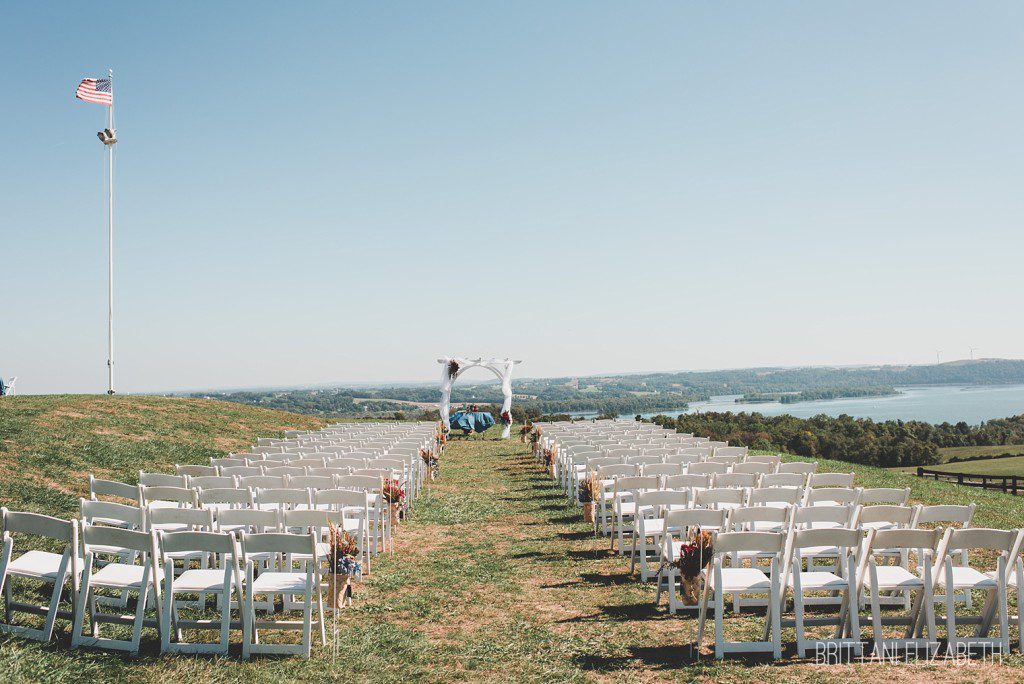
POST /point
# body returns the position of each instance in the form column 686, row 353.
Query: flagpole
column 110, row 242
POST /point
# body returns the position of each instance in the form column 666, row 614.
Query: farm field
column 974, row 451
column 495, row 577
column 989, row 466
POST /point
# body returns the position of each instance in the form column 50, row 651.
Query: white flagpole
column 110, row 242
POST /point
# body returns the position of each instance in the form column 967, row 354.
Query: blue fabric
column 471, row 422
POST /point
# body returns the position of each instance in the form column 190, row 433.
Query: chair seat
column 967, row 578
column 627, row 508
column 878, row 525
column 1011, row 580
column 37, row 565
column 279, row 583
column 104, row 550
column 119, row 575
column 765, row 526
column 896, row 577
column 818, row 551
column 819, row 581
column 651, row 526
column 201, row 580
column 323, row 550
column 743, row 579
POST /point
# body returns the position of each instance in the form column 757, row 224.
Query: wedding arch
column 454, row 366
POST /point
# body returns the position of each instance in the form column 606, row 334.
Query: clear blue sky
column 345, row 191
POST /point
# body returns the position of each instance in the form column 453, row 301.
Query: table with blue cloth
column 475, row 421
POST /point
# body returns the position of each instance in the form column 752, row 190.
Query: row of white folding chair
column 578, row 463
column 258, row 492
column 608, row 478
column 225, row 581
column 786, row 574
column 125, row 573
column 655, row 510
column 227, row 513
column 634, row 497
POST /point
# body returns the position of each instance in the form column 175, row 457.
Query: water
column 950, row 403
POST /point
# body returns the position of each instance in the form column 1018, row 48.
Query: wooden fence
column 1010, row 484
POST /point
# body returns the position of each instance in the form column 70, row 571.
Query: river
column 952, row 403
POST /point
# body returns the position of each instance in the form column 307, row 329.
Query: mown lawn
column 495, row 578
column 1014, row 465
column 972, row 451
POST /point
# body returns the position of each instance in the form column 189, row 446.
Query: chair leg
column 77, row 624
column 719, row 623
column 798, row 620
column 876, row 613
column 701, row 616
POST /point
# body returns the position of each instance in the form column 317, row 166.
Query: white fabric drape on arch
column 502, row 368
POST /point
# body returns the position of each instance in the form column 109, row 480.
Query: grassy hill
column 495, row 577
column 50, row 444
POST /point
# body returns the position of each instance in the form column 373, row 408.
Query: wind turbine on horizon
column 973, row 349
column 938, row 352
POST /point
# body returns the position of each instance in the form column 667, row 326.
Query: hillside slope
column 50, row 444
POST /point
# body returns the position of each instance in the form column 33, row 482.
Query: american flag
column 95, row 90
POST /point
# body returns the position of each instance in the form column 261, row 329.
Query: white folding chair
column 783, row 480
column 870, row 496
column 950, row 576
column 946, row 516
column 624, row 493
column 195, row 470
column 733, row 580
column 46, row 567
column 878, row 578
column 223, row 582
column 285, row 582
column 649, row 509
column 801, row 467
column 725, row 498
column 114, row 489
column 831, row 480
column 775, row 496
column 842, row 581
column 162, row 480
column 677, row 526
column 121, row 577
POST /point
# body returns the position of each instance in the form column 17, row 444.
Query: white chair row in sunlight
column 255, row 560
column 780, row 566
column 244, row 529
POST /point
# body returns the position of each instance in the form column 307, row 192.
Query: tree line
column 886, row 444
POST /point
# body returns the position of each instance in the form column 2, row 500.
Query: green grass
column 495, row 577
column 1013, row 465
column 973, row 451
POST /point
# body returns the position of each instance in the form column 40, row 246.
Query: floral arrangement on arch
column 453, row 368
column 506, row 417
column 393, row 492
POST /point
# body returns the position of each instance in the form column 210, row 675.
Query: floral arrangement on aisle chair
column 694, row 556
column 430, row 459
column 535, row 440
column 525, row 432
column 343, row 567
column 587, row 496
column 394, row 494
column 550, row 454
